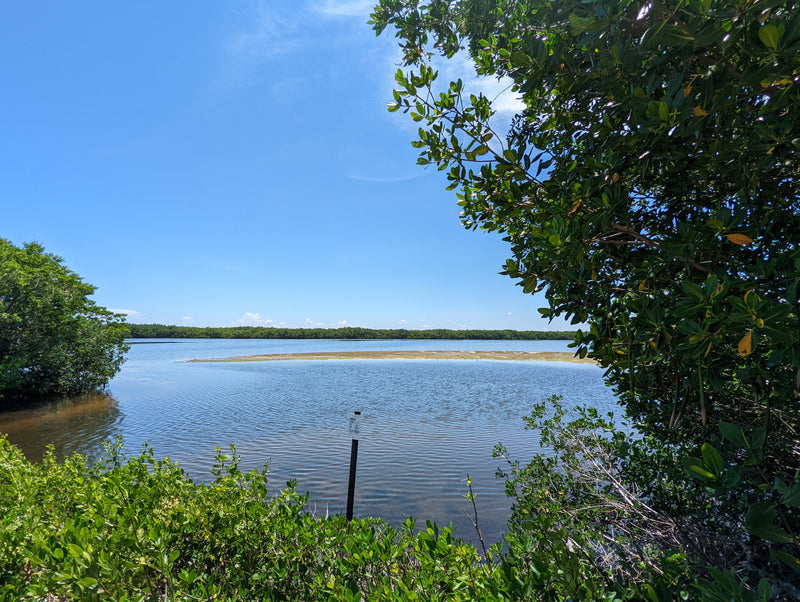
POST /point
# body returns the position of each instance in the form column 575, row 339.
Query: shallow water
column 425, row 423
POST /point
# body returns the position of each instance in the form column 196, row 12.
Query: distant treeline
column 162, row 331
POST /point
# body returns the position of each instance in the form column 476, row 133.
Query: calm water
column 425, row 423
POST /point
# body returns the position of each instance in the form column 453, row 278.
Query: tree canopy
column 649, row 185
column 150, row 331
column 54, row 340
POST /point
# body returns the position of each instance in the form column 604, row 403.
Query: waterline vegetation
column 165, row 331
column 55, row 341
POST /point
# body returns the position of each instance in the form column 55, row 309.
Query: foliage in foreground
column 143, row 531
column 607, row 508
column 648, row 184
column 601, row 516
column 54, row 340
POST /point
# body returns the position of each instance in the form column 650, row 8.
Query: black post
column 355, row 427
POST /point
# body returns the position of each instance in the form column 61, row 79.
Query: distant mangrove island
column 165, row 331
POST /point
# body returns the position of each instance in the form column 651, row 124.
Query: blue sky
column 232, row 162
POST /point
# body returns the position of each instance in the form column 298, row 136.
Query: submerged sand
column 552, row 356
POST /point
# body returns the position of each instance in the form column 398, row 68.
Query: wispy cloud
column 384, row 180
column 345, row 8
column 266, row 34
column 128, row 312
column 505, row 102
column 228, row 267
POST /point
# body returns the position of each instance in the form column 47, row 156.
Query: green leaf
column 732, row 479
column 760, row 522
column 758, row 438
column 770, row 36
column 764, row 590
column 712, row 459
column 760, row 514
column 520, row 59
column 772, row 533
column 788, row 559
column 792, row 497
column 733, row 434
column 696, row 466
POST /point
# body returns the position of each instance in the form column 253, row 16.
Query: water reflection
column 77, row 425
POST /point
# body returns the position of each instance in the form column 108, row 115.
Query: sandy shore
column 552, row 356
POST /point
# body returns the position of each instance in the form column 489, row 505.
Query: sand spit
column 552, row 356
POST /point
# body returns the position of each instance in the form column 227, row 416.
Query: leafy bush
column 142, row 530
column 603, row 515
column 611, row 511
column 54, row 340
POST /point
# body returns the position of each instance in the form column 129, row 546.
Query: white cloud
column 508, row 314
column 505, row 103
column 128, row 312
column 249, row 319
column 346, row 8
column 269, row 35
column 385, row 180
column 265, row 35
column 188, row 319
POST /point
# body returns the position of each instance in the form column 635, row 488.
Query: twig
column 471, row 497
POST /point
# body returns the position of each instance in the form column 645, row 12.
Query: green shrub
column 605, row 512
column 142, row 530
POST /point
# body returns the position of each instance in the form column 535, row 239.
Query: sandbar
column 551, row 356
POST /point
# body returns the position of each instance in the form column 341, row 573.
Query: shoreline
column 551, row 356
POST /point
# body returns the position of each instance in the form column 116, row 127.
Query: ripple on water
column 426, row 424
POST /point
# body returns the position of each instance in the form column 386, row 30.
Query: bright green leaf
column 770, row 36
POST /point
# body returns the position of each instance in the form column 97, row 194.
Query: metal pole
column 355, row 428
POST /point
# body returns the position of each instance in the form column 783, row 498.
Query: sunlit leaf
column 746, row 344
column 712, row 458
column 769, row 36
column 739, row 239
